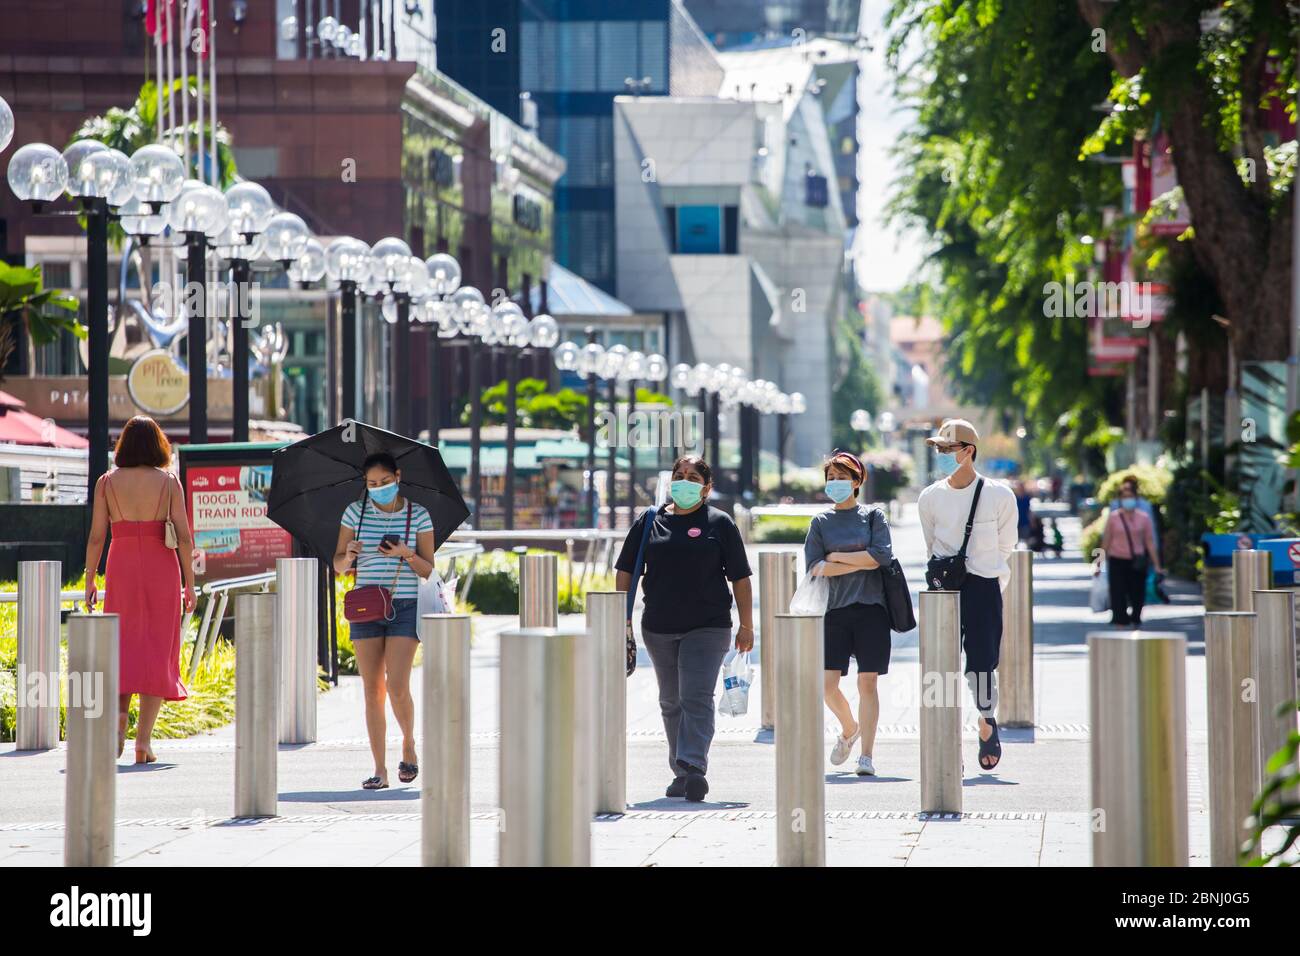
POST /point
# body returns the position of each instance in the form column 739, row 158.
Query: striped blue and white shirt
column 372, row 567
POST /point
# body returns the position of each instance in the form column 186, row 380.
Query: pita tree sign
column 227, row 508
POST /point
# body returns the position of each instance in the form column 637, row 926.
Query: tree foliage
column 1012, row 109
column 43, row 313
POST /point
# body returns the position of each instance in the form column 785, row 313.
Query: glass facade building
column 560, row 63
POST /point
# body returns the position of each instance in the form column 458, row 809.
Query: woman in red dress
column 143, row 579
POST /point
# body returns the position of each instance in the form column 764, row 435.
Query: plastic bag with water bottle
column 737, row 675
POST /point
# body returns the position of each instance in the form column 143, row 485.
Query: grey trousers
column 687, row 667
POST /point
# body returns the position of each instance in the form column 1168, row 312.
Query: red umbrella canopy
column 21, row 427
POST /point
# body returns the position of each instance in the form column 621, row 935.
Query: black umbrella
column 314, row 480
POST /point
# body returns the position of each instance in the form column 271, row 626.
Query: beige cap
column 955, row 431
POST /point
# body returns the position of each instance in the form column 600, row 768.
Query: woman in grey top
column 851, row 543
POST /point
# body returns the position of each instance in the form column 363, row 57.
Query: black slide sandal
column 373, row 783
column 991, row 747
column 406, row 772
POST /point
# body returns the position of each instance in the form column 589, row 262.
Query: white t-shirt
column 943, row 510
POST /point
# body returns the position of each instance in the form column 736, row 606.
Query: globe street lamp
column 6, row 125
column 510, row 328
column 636, row 367
column 444, row 279
column 348, row 262
column 250, row 210
column 633, row 368
column 585, row 361
column 611, row 364
column 107, row 182
column 200, row 213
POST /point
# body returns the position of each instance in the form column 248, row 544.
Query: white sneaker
column 843, row 747
column 865, row 767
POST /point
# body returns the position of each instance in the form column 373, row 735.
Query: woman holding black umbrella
column 390, row 541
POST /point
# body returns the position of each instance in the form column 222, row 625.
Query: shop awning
column 20, row 427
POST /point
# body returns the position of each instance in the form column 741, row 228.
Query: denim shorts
column 403, row 623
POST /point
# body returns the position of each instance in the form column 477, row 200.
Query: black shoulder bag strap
column 970, row 518
column 361, row 518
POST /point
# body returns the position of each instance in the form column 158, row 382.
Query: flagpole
column 181, row 48
column 199, row 134
column 158, row 66
column 212, row 91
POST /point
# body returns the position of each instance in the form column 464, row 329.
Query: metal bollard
column 256, row 685
column 538, row 597
column 297, row 581
column 942, row 686
column 1275, row 656
column 606, row 620
column 444, row 795
column 547, row 752
column 37, row 716
column 90, row 805
column 1251, row 571
column 1016, row 662
column 1233, row 717
column 800, row 743
column 778, row 576
column 1137, row 693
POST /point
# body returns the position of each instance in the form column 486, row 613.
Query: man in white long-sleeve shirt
column 944, row 509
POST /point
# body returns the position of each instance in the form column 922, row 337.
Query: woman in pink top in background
column 1130, row 545
column 143, row 577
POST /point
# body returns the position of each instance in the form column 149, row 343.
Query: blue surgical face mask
column 946, row 461
column 686, row 494
column 384, row 494
column 839, row 489
column 1128, row 504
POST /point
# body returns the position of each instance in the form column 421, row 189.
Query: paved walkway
column 1031, row 811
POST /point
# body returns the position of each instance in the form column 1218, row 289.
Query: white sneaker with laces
column 865, row 767
column 843, row 747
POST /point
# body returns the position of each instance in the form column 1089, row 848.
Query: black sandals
column 991, row 747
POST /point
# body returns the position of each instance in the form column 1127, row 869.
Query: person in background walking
column 143, row 576
column 944, row 509
column 1130, row 546
column 390, row 540
column 852, row 542
column 691, row 553
column 1024, row 511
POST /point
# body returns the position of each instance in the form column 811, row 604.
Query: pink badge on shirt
column 693, row 532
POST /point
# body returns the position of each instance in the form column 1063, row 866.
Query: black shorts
column 861, row 631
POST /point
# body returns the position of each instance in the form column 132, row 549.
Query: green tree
column 43, row 313
column 129, row 129
column 999, row 178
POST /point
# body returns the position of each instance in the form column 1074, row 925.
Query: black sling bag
column 948, row 574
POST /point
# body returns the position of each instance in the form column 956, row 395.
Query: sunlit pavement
column 1032, row 810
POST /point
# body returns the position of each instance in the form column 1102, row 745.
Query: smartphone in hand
column 388, row 541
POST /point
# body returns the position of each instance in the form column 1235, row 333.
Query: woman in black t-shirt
column 692, row 551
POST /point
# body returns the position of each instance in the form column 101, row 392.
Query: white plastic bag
column 737, row 675
column 433, row 597
column 813, row 593
column 1099, row 599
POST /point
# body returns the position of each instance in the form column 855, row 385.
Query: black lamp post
column 475, row 425
column 348, row 347
column 97, row 340
column 593, row 520
column 399, row 406
column 241, row 273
